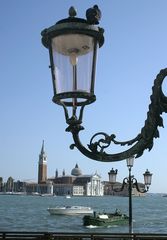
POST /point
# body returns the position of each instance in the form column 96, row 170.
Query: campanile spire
column 42, row 165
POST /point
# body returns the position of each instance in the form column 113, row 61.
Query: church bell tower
column 42, row 166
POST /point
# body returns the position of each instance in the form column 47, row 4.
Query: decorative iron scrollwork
column 143, row 141
column 133, row 184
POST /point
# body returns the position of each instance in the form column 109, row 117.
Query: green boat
column 105, row 219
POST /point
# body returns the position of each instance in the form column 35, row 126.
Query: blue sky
column 135, row 50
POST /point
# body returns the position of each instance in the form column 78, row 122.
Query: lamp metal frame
column 96, row 149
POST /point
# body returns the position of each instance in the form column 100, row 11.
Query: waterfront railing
column 79, row 236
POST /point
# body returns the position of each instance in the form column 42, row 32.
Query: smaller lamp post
column 131, row 182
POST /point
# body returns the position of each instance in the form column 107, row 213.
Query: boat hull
column 111, row 220
column 70, row 210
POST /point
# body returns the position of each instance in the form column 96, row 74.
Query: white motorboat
column 68, row 196
column 70, row 210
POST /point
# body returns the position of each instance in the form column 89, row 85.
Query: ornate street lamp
column 130, row 182
column 73, row 44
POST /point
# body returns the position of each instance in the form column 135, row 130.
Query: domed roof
column 76, row 171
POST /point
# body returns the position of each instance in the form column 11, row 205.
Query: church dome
column 76, row 171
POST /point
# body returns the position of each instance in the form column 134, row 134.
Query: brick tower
column 42, row 166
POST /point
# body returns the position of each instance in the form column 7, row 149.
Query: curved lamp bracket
column 125, row 183
column 134, row 185
column 144, row 140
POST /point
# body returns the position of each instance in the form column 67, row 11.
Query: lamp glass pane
column 73, row 62
column 147, row 178
column 112, row 176
column 130, row 161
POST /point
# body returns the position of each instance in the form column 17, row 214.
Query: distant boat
column 35, row 194
column 165, row 195
column 105, row 219
column 68, row 196
column 47, row 195
column 70, row 210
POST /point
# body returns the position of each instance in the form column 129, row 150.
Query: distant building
column 19, row 186
column 1, row 184
column 42, row 166
column 9, row 185
column 77, row 184
column 95, row 187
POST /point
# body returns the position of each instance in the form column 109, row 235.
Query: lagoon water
column 29, row 213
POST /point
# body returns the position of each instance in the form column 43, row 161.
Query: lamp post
column 131, row 182
column 73, row 44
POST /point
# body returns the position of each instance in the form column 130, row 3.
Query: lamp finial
column 72, row 12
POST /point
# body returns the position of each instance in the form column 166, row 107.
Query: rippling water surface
column 29, row 213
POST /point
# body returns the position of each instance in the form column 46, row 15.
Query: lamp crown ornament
column 72, row 43
column 93, row 15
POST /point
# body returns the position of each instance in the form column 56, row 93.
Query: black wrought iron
column 130, row 182
column 134, row 184
column 78, row 236
column 74, row 25
column 143, row 141
column 96, row 149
